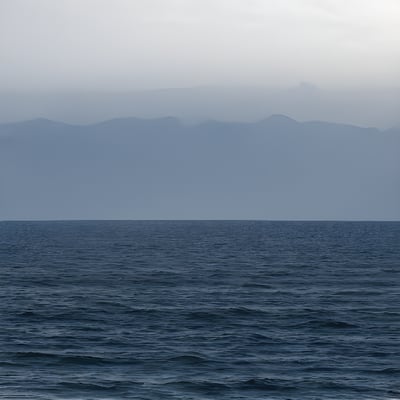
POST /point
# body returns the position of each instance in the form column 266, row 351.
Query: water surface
column 199, row 310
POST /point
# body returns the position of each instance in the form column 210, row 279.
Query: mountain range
column 363, row 107
column 132, row 168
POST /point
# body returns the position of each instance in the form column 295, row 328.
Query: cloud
column 128, row 44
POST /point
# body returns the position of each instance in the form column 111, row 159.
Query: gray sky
column 50, row 45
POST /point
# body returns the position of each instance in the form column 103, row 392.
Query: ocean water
column 199, row 310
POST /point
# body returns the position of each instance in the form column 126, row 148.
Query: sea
column 199, row 310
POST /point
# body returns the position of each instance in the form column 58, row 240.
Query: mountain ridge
column 163, row 169
column 172, row 121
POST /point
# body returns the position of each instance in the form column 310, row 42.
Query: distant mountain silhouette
column 364, row 107
column 133, row 168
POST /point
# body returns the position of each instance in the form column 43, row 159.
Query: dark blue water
column 199, row 310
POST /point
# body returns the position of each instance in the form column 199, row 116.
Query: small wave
column 78, row 315
column 27, row 314
column 89, row 386
column 60, row 358
column 340, row 386
column 257, row 285
column 388, row 371
column 200, row 386
column 243, row 311
column 264, row 384
column 204, row 316
column 10, row 364
column 229, row 312
column 86, row 360
column 33, row 354
column 326, row 324
column 188, row 359
column 338, row 324
column 140, row 310
column 262, row 338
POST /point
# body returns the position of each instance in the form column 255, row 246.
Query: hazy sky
column 137, row 44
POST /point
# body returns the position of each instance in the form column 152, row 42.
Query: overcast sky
column 50, row 45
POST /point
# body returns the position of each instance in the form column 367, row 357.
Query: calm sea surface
column 199, row 310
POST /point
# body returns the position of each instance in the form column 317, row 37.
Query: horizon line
column 195, row 220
